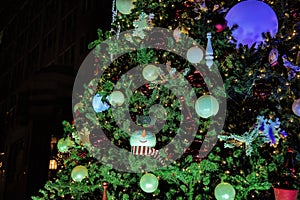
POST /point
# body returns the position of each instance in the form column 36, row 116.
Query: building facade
column 43, row 43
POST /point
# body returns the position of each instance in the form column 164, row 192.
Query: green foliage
column 242, row 69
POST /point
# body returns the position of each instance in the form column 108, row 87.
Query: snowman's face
column 140, row 139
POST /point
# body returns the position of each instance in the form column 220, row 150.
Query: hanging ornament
column 150, row 72
column 194, row 55
column 141, row 143
column 273, row 57
column 79, row 173
column 98, row 104
column 209, row 53
column 64, row 144
column 296, row 107
column 149, row 183
column 124, row 6
column 261, row 90
column 206, row 106
column 224, row 191
column 253, row 19
column 116, row 98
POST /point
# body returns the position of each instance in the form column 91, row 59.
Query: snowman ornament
column 142, row 143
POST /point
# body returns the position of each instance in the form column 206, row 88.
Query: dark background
column 42, row 44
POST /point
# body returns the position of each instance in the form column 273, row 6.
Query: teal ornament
column 149, row 183
column 116, row 98
column 143, row 138
column 194, row 55
column 224, row 191
column 296, row 107
column 124, row 6
column 206, row 106
column 79, row 173
column 150, row 72
column 64, row 144
column 98, row 104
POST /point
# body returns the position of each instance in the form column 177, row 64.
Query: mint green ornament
column 206, row 106
column 149, row 183
column 150, row 72
column 79, row 173
column 116, row 98
column 64, row 144
column 124, row 6
column 224, row 191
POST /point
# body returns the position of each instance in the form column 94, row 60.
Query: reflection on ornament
column 296, row 107
column 64, row 144
column 206, row 106
column 116, row 98
column 224, row 191
column 124, row 6
column 98, row 104
column 150, row 72
column 273, row 57
column 194, row 55
column 148, row 183
column 253, row 18
column 79, row 173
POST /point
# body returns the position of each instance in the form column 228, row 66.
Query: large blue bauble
column 98, row 104
column 253, row 18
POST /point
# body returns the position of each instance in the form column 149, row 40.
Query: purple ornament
column 253, row 18
column 296, row 107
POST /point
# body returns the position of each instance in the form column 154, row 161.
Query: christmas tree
column 185, row 100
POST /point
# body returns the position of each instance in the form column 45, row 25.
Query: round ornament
column 143, row 138
column 124, row 6
column 64, row 144
column 224, row 191
column 79, row 173
column 296, row 107
column 116, row 98
column 150, row 72
column 148, row 183
column 206, row 106
column 194, row 55
column 253, row 18
column 98, row 104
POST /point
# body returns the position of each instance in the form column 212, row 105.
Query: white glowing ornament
column 224, row 191
column 253, row 18
column 206, row 106
column 194, row 55
column 150, row 72
column 116, row 98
